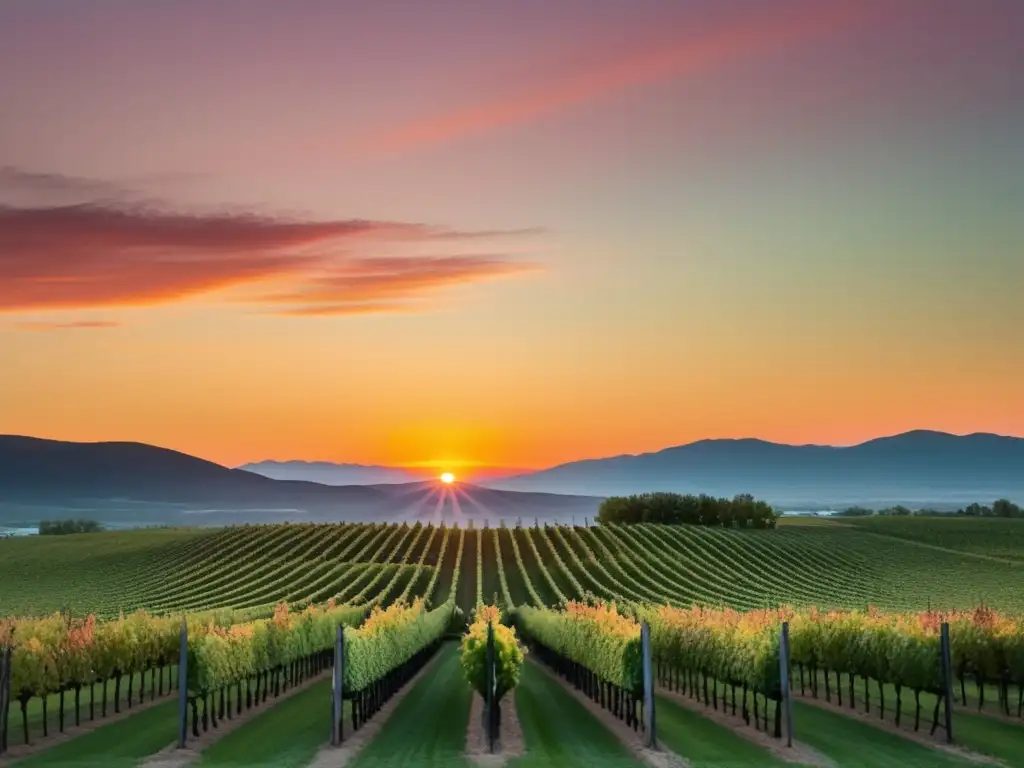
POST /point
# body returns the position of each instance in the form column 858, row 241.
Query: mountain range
column 329, row 473
column 137, row 483
column 915, row 468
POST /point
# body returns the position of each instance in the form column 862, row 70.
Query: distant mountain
column 142, row 484
column 328, row 473
column 915, row 468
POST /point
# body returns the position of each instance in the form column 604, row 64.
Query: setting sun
column 447, row 478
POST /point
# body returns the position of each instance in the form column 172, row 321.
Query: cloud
column 755, row 34
column 375, row 285
column 78, row 324
column 105, row 254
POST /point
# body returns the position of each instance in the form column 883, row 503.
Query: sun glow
column 447, row 478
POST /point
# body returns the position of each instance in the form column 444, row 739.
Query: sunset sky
column 510, row 233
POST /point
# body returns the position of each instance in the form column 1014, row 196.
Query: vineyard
column 865, row 607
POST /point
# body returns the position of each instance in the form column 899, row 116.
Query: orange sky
column 511, row 238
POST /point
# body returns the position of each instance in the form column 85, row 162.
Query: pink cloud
column 756, row 34
column 101, row 255
column 374, row 285
column 77, row 324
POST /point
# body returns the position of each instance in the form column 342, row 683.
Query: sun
column 447, row 478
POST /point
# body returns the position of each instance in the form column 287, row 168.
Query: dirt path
column 633, row 741
column 172, row 757
column 799, row 753
column 510, row 737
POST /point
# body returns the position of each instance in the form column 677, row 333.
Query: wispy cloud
column 69, row 326
column 755, row 34
column 373, row 285
column 116, row 254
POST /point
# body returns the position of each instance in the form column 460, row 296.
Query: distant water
column 5, row 531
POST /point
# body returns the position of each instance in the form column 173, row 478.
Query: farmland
column 891, row 565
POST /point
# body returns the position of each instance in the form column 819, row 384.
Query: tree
column 1005, row 508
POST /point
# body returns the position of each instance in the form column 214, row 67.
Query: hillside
column 142, row 484
column 915, row 468
column 329, row 473
column 824, row 563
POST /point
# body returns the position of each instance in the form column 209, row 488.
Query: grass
column 35, row 708
column 287, row 735
column 120, row 744
column 559, row 731
column 704, row 743
column 990, row 537
column 980, row 733
column 854, row 744
column 428, row 727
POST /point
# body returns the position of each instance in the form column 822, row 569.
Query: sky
column 513, row 233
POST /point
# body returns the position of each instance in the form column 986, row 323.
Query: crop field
column 259, row 673
column 802, row 563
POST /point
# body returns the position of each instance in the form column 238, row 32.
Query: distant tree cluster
column 1001, row 508
column 64, row 527
column 742, row 511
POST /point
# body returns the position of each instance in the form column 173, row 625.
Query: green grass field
column 120, row 744
column 992, row 537
column 428, row 727
column 559, row 731
column 287, row 734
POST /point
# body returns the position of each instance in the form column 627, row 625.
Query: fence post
column 6, row 673
column 183, row 686
column 336, row 688
column 645, row 646
column 947, row 679
column 491, row 684
column 787, row 694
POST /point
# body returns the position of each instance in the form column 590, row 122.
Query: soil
column 634, row 741
column 510, row 737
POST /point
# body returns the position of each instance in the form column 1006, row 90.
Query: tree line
column 741, row 511
column 64, row 527
column 999, row 508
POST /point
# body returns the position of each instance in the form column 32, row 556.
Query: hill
column 803, row 562
column 915, row 469
column 143, row 484
column 329, row 473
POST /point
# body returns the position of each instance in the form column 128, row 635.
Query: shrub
column 509, row 653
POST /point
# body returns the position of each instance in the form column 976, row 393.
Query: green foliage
column 220, row 656
column 509, row 652
column 597, row 637
column 389, row 638
column 742, row 511
column 65, row 527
